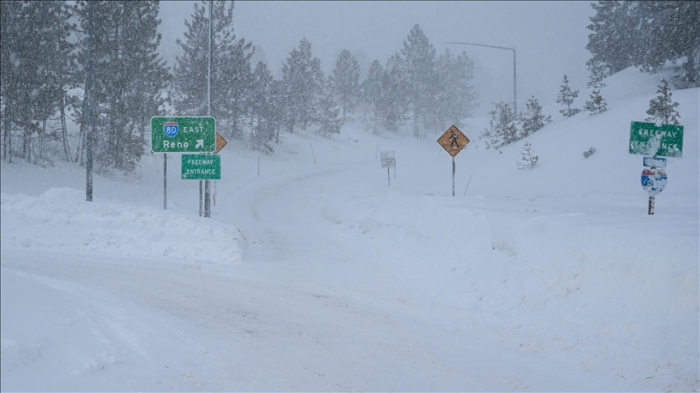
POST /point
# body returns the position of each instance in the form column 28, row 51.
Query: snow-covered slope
column 315, row 274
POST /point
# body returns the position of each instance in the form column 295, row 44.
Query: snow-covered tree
column 455, row 95
column 567, row 97
column 264, row 109
column 329, row 118
column 532, row 119
column 528, row 159
column 596, row 103
column 662, row 109
column 418, row 62
column 345, row 81
column 614, row 41
column 503, row 128
column 37, row 69
column 231, row 75
column 647, row 34
column 130, row 78
column 371, row 95
column 395, row 98
column 303, row 80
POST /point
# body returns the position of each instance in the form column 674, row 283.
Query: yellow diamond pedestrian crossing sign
column 453, row 141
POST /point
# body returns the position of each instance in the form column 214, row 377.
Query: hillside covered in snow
column 318, row 271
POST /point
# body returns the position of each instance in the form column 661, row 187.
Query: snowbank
column 61, row 222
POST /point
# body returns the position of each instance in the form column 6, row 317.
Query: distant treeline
column 50, row 48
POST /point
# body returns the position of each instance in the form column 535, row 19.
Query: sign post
column 453, row 141
column 165, row 181
column 201, row 167
column 388, row 161
column 182, row 134
column 648, row 139
column 654, row 179
column 658, row 141
column 188, row 134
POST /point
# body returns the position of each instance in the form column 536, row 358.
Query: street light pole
column 207, row 187
column 515, row 89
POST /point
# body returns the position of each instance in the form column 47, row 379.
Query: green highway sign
column 186, row 134
column 201, row 167
column 649, row 139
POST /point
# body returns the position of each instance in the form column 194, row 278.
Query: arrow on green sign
column 186, row 134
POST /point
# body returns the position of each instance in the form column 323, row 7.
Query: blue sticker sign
column 654, row 180
column 171, row 128
column 654, row 162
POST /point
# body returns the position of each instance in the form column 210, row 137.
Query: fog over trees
column 46, row 47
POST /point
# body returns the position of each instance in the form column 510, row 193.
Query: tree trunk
column 41, row 139
column 7, row 147
column 64, row 129
column 26, row 141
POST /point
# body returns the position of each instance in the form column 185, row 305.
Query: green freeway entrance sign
column 187, row 134
column 201, row 167
column 651, row 140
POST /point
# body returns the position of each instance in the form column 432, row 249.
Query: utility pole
column 515, row 89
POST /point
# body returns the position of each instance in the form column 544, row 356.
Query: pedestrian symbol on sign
column 171, row 128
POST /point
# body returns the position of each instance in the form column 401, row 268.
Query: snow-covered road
column 316, row 275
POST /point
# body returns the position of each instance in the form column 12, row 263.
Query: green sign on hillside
column 187, row 134
column 201, row 167
column 648, row 139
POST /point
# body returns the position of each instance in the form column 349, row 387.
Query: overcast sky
column 549, row 37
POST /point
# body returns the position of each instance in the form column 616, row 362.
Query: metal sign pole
column 453, row 175
column 651, row 205
column 165, row 181
column 388, row 174
column 200, row 198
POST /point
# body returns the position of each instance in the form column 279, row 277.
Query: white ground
column 321, row 276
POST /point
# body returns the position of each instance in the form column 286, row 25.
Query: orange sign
column 453, row 141
column 220, row 143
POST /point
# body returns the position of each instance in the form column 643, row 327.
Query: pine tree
column 567, row 97
column 662, row 108
column 303, row 84
column 37, row 62
column 130, row 78
column 455, row 95
column 345, row 81
column 263, row 109
column 395, row 98
column 231, row 75
column 614, row 42
column 596, row 103
column 528, row 159
column 647, row 34
column 329, row 112
column 11, row 23
column 503, row 129
column 418, row 63
column 533, row 119
column 371, row 94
